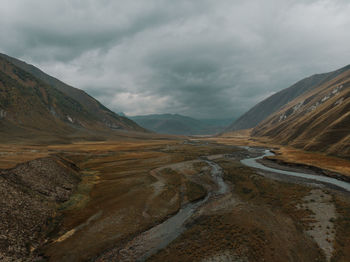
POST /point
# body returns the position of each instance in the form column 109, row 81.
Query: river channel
column 252, row 162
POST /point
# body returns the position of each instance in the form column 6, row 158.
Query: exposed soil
column 129, row 187
column 29, row 194
column 322, row 227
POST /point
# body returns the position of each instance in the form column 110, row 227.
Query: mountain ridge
column 270, row 105
column 318, row 120
column 93, row 106
column 30, row 107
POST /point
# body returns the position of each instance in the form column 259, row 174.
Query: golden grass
column 13, row 154
column 287, row 153
column 118, row 184
column 10, row 156
column 117, row 197
column 293, row 155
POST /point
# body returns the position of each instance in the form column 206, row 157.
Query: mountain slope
column 91, row 105
column 30, row 107
column 273, row 103
column 318, row 120
column 176, row 124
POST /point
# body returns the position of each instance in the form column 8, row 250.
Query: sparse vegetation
column 74, row 189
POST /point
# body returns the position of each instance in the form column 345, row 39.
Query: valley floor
column 180, row 200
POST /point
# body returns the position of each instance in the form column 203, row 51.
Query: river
column 158, row 237
column 252, row 162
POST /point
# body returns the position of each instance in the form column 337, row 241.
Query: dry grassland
column 130, row 186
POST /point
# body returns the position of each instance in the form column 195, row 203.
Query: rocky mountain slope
column 29, row 195
column 30, row 106
column 176, row 124
column 273, row 103
column 318, row 120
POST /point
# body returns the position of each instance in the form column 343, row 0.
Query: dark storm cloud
column 199, row 58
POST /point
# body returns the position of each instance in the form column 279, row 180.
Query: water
column 251, row 162
column 216, row 172
column 158, row 237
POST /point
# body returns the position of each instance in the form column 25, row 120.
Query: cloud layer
column 207, row 59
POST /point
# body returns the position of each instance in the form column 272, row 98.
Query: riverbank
column 133, row 188
column 315, row 175
column 160, row 236
column 303, row 168
column 287, row 154
column 245, row 224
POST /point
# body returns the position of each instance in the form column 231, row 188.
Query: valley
column 175, row 131
column 176, row 124
column 181, row 199
column 82, row 183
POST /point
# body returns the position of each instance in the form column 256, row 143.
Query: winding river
column 161, row 235
column 252, row 162
column 158, row 237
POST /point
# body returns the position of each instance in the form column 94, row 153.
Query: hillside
column 30, row 107
column 273, row 103
column 176, row 124
column 91, row 105
column 318, row 120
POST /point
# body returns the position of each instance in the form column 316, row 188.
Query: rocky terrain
column 29, row 196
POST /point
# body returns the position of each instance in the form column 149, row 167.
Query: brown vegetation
column 264, row 225
column 129, row 186
column 32, row 109
column 316, row 121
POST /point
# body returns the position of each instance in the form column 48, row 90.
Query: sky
column 200, row 58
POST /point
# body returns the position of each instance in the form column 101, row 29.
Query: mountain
column 176, row 124
column 273, row 103
column 91, row 105
column 33, row 103
column 318, row 120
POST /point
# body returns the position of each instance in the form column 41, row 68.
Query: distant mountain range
column 273, row 103
column 34, row 104
column 176, row 124
column 317, row 120
column 313, row 114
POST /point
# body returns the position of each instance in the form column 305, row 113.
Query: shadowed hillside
column 30, row 107
column 318, row 120
column 273, row 103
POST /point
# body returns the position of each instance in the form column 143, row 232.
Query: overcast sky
column 201, row 58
